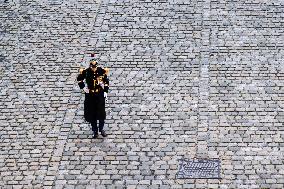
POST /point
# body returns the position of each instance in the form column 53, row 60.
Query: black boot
column 95, row 135
column 103, row 133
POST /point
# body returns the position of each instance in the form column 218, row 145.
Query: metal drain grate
column 199, row 169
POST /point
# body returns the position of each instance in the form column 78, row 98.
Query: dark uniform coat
column 97, row 83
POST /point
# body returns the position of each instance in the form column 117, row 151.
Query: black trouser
column 95, row 127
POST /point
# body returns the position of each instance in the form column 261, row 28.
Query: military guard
column 96, row 92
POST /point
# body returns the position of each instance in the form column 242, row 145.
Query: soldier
column 95, row 95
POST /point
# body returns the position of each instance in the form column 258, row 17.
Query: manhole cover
column 199, row 169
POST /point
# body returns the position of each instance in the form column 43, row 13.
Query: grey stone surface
column 193, row 79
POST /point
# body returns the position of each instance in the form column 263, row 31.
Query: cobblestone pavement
column 189, row 79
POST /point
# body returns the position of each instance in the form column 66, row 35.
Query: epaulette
column 81, row 70
column 106, row 71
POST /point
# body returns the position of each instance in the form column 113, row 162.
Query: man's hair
column 93, row 60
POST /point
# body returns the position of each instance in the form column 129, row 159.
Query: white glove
column 102, row 84
column 105, row 94
column 86, row 90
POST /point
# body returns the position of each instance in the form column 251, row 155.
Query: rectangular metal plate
column 199, row 169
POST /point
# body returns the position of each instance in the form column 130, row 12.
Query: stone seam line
column 67, row 123
column 203, row 104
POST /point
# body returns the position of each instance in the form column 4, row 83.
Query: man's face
column 93, row 65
